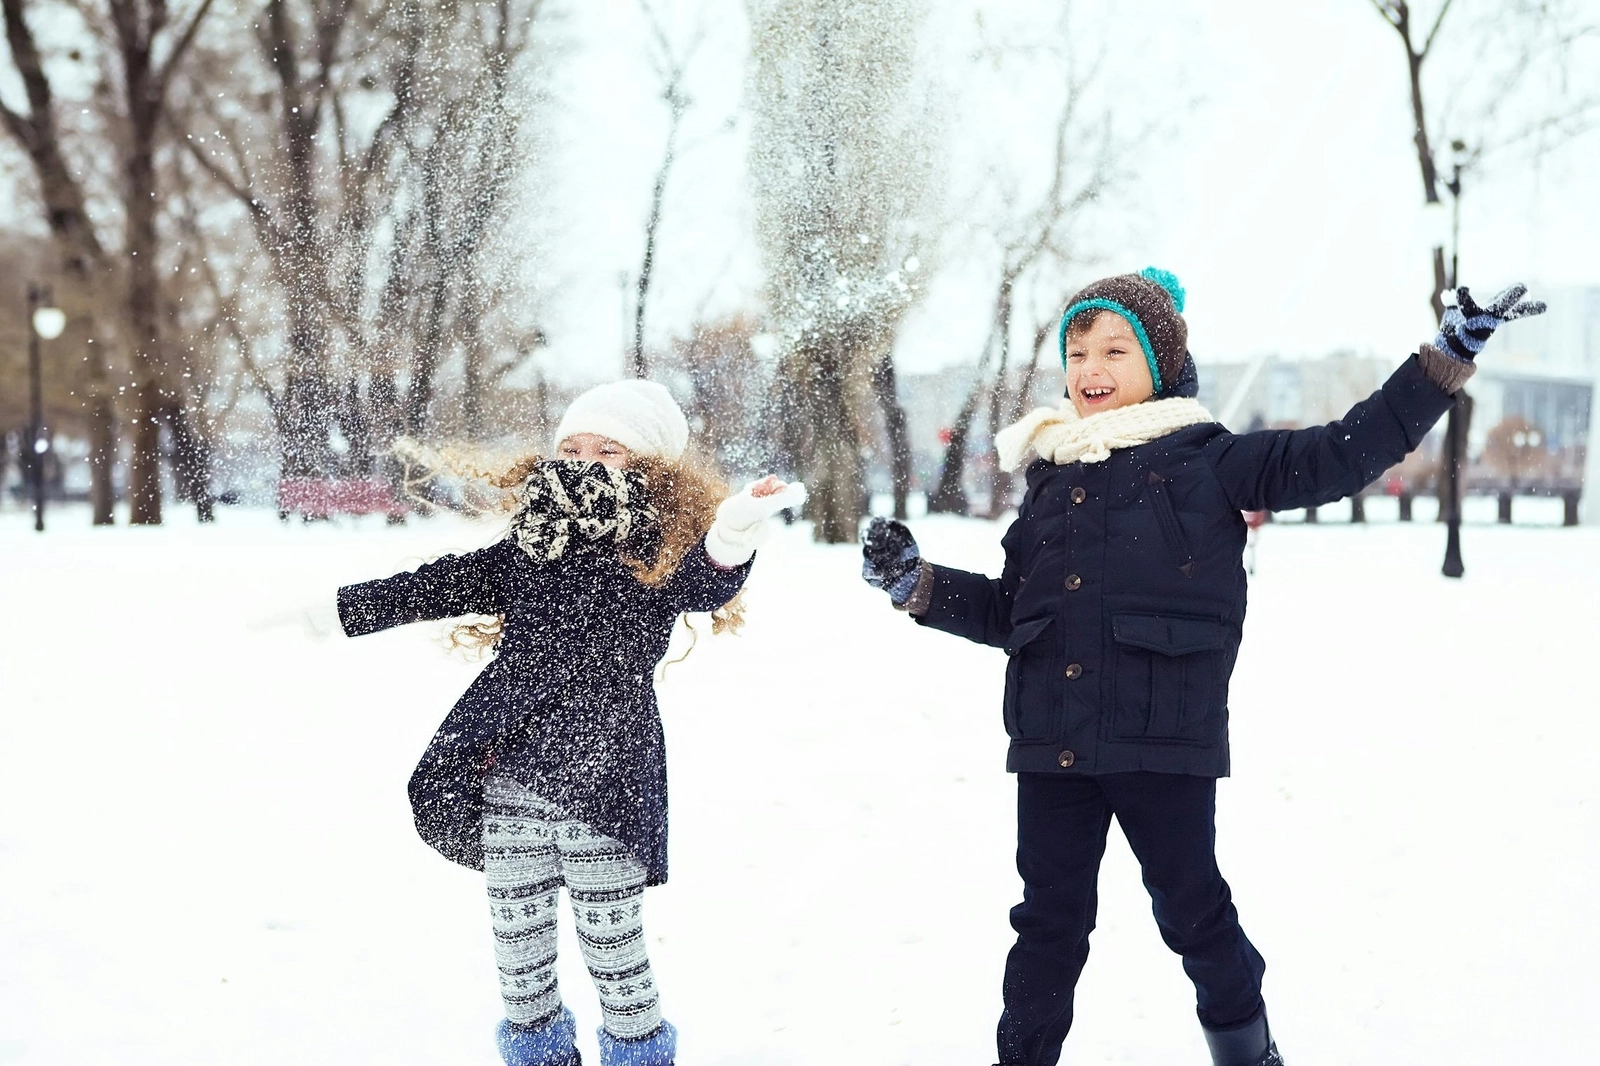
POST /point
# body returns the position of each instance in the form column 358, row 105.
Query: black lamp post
column 1455, row 430
column 44, row 322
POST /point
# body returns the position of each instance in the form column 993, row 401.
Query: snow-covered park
column 206, row 854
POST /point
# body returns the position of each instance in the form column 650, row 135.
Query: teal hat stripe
column 1112, row 305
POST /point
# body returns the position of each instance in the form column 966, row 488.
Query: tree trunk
column 1000, row 480
column 1024, row 394
column 83, row 260
column 144, row 88
column 307, row 404
column 949, row 497
column 471, row 375
column 894, row 419
column 425, row 364
column 150, row 402
column 308, row 394
column 191, row 461
column 641, row 366
column 831, row 447
column 430, row 348
column 102, row 441
column 384, row 423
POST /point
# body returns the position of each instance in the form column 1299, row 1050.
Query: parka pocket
column 1025, row 634
column 1169, row 675
column 1171, row 529
column 1028, row 703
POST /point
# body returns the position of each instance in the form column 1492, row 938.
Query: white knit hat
column 641, row 416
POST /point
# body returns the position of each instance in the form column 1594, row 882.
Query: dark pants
column 1169, row 820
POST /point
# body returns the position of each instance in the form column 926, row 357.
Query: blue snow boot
column 657, row 1049
column 550, row 1044
column 1250, row 1044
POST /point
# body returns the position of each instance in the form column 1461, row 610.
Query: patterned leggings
column 530, row 850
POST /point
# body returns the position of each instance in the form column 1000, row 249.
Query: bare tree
column 1035, row 233
column 466, row 171
column 376, row 199
column 1530, row 39
column 671, row 68
column 279, row 173
column 84, row 266
column 727, row 382
column 145, row 45
column 841, row 168
column 1535, row 37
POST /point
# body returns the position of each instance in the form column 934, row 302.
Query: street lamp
column 1456, row 425
column 46, row 322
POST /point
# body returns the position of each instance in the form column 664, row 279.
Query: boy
column 1121, row 606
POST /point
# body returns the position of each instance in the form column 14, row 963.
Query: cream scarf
column 1059, row 435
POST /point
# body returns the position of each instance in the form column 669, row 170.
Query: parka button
column 1074, row 671
column 1078, row 495
column 1074, row 582
column 1066, row 759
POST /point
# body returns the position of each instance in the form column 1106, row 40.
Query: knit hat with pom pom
column 641, row 416
column 1152, row 302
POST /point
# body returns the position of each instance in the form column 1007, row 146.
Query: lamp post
column 1455, row 431
column 44, row 322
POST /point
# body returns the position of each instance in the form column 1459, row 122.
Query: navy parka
column 1122, row 599
column 567, row 706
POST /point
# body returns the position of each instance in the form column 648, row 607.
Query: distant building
column 933, row 401
column 1544, row 377
column 1564, row 341
column 1542, row 371
column 1289, row 393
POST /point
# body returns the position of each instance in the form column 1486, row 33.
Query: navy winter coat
column 567, row 706
column 1122, row 599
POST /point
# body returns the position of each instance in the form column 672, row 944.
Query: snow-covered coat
column 567, row 705
column 1122, row 599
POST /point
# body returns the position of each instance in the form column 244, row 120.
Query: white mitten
column 741, row 524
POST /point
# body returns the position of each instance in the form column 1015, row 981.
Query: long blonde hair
column 685, row 494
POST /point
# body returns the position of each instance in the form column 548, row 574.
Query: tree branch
column 163, row 77
column 1387, row 10
column 260, row 214
column 1438, row 21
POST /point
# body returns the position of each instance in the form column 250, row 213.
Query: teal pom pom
column 1167, row 280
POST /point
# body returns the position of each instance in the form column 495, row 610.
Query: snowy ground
column 206, row 855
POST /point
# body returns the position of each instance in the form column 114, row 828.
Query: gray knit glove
column 1467, row 327
column 890, row 560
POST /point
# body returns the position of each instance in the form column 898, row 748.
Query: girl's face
column 593, row 448
column 1106, row 368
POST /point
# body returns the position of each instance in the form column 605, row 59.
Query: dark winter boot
column 660, row 1048
column 550, row 1044
column 1249, row 1045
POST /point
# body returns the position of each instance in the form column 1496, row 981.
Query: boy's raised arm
column 1279, row 469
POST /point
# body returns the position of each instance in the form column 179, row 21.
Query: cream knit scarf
column 1059, row 435
column 572, row 502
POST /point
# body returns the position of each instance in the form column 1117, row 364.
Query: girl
column 551, row 769
column 1121, row 605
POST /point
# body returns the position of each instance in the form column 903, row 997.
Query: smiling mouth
column 1097, row 393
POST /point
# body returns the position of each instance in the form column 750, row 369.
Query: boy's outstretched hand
column 890, row 559
column 1467, row 327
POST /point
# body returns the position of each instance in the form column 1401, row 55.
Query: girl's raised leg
column 522, row 864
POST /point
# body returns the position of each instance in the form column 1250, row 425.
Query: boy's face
column 1106, row 367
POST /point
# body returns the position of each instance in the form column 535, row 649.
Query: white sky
column 1288, row 200
column 1286, row 196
